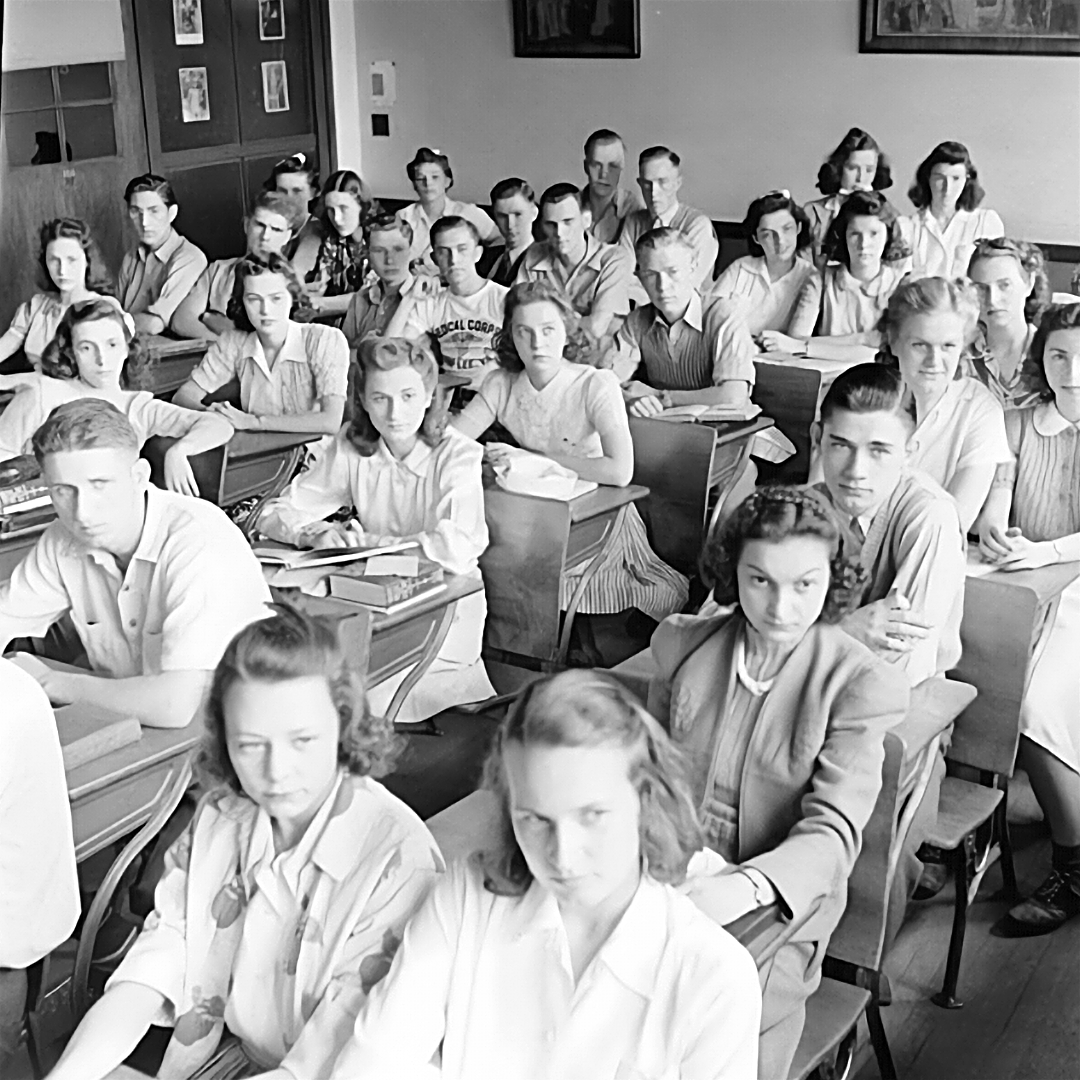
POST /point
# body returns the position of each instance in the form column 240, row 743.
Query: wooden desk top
column 603, row 500
column 256, row 443
column 162, row 347
column 1046, row 582
column 730, row 430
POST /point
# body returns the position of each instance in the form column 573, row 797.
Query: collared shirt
column 600, row 283
column 371, row 309
column 1046, row 493
column 309, row 233
column 220, row 278
column 980, row 363
column 764, row 304
column 821, row 213
column 420, row 223
column 313, row 363
column 937, row 252
column 34, row 325
column 605, row 226
column 669, row 995
column 154, row 282
column 843, row 306
column 693, row 224
column 190, row 586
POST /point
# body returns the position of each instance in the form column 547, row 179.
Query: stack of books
column 25, row 505
column 387, row 593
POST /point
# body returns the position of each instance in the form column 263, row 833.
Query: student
column 39, row 903
column 947, row 194
column 1013, row 291
column 431, row 177
column 572, row 413
column 959, row 438
column 857, row 164
column 284, row 901
column 297, row 179
column 774, row 670
column 405, row 477
column 373, row 305
column 568, row 952
column 513, row 206
column 164, row 266
column 1039, row 497
column 96, row 354
column 71, row 270
column 461, row 318
column 766, row 284
column 155, row 583
column 607, row 202
column 202, row 313
column 292, row 377
column 595, row 277
column 660, row 178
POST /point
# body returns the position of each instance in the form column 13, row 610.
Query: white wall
column 752, row 93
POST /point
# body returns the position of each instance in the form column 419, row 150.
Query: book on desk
column 88, row 732
column 386, row 592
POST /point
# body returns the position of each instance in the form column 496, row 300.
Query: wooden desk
column 533, row 542
column 171, row 361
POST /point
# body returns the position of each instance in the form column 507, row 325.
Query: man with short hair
column 513, row 206
column 156, row 583
column 603, row 197
column 374, row 305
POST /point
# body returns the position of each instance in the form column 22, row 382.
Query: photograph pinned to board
column 187, row 22
column 194, row 95
column 275, row 86
column 271, row 20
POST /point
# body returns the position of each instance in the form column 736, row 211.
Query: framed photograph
column 194, row 95
column 187, row 22
column 271, row 20
column 577, row 28
column 1036, row 27
column 275, row 86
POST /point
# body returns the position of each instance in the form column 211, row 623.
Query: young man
column 162, row 269
column 594, row 277
column 155, row 583
column 463, row 317
column 607, row 202
column 374, row 305
column 513, row 205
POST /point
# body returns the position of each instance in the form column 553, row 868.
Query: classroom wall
column 753, row 93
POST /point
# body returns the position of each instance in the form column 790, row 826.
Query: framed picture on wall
column 577, row 28
column 187, row 22
column 1036, row 27
column 275, row 81
column 271, row 20
column 194, row 95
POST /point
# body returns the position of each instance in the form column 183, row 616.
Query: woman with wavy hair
column 568, row 951
column 284, row 901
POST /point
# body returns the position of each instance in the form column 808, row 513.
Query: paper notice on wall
column 383, row 83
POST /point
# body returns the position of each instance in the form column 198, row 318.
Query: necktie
column 857, row 529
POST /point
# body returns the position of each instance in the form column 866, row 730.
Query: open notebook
column 686, row 414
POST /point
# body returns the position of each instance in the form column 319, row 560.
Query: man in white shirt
column 608, row 203
column 155, row 583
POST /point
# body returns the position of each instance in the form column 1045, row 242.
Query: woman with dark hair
column 405, row 477
column 284, row 901
column 297, row 179
column 947, row 195
column 783, row 716
column 569, row 952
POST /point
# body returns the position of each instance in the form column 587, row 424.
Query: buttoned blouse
column 420, row 223
column 1046, row 495
column 937, row 252
column 606, row 226
column 848, row 307
column 35, row 323
column 154, row 282
column 764, row 304
column 599, row 283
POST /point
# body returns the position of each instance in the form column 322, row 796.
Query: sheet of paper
column 393, row 566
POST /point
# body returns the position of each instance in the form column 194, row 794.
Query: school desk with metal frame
column 170, row 361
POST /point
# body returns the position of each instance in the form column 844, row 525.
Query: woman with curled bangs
column 284, row 900
column 403, row 475
column 782, row 715
column 570, row 952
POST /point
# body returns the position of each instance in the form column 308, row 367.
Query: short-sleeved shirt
column 693, row 224
column 843, row 305
column 35, row 322
column 220, row 278
column 763, row 303
column 371, row 309
column 191, row 585
column 154, row 282
column 606, row 226
column 937, row 252
column 600, row 283
column 313, row 363
column 421, row 224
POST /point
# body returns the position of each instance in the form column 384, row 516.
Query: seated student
column 297, row 179
column 568, row 952
column 857, row 164
column 1039, row 497
column 283, row 902
column 373, row 306
column 39, row 903
column 461, row 318
column 164, row 266
column 607, row 202
column 774, row 670
column 1013, row 291
column 513, row 205
column 292, row 376
column 96, row 354
column 202, row 313
column 431, row 177
column 595, row 277
column 766, row 284
column 406, row 477
column 555, row 404
column 660, row 178
column 693, row 351
column 947, row 194
column 155, row 583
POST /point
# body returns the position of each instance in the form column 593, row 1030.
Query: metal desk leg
column 430, row 650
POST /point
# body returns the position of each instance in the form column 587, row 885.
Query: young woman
column 574, row 414
column 406, row 478
column 959, row 438
column 947, row 194
column 96, row 354
column 1032, row 518
column 1013, row 291
column 568, row 953
column 857, row 164
column 284, row 901
column 297, row 179
column 783, row 717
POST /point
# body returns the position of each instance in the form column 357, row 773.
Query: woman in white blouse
column 406, row 477
column 947, row 194
column 568, row 954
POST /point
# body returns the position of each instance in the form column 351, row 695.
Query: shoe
column 1052, row 905
column 934, row 874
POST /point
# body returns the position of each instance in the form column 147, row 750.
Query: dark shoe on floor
column 1051, row 905
column 931, row 880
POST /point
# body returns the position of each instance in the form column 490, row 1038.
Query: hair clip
column 779, row 191
column 300, row 156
